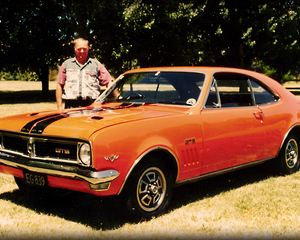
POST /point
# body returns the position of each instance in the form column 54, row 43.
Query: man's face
column 81, row 50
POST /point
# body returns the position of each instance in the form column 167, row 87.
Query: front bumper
column 92, row 177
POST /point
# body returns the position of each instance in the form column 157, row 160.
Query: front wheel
column 150, row 192
column 289, row 155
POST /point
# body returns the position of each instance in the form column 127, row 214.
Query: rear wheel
column 289, row 155
column 150, row 191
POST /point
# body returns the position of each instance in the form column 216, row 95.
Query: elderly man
column 80, row 78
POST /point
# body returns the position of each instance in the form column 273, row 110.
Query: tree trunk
column 44, row 77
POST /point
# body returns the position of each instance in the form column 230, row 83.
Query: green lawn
column 254, row 203
column 23, row 97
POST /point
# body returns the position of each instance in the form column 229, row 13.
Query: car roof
column 209, row 70
column 203, row 69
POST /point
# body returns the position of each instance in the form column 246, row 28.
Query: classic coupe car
column 154, row 129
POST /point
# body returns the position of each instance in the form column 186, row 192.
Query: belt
column 80, row 98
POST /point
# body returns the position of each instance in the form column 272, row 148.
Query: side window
column 234, row 93
column 213, row 100
column 231, row 90
column 261, row 94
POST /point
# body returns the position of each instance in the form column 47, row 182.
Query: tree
column 38, row 34
column 160, row 33
column 32, row 36
column 278, row 39
column 141, row 33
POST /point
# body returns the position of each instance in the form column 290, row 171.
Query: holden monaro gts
column 154, row 129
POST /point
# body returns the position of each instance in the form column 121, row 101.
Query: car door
column 233, row 127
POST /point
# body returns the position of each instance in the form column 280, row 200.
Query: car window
column 157, row 87
column 213, row 100
column 262, row 95
column 151, row 87
column 229, row 90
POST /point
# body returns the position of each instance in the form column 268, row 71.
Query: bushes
column 18, row 75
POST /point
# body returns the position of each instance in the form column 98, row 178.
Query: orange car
column 155, row 129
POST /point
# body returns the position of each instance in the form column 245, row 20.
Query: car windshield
column 179, row 88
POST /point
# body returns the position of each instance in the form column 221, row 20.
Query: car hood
column 80, row 123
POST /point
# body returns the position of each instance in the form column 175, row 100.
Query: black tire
column 288, row 159
column 149, row 192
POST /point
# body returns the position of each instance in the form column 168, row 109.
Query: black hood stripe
column 29, row 125
column 38, row 125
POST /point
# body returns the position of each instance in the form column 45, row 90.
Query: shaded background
column 261, row 35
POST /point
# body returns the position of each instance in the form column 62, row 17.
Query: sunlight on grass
column 24, row 86
column 13, row 109
column 266, row 209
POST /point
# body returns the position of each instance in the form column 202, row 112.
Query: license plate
column 35, row 179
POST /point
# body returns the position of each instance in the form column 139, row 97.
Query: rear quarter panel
column 280, row 117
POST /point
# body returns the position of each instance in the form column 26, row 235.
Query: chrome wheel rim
column 151, row 189
column 291, row 153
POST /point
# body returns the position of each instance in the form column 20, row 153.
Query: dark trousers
column 78, row 103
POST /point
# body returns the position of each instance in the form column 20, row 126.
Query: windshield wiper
column 130, row 96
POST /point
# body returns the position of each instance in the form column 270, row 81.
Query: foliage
column 18, row 75
column 128, row 34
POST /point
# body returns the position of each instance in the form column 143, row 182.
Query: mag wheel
column 151, row 192
column 289, row 155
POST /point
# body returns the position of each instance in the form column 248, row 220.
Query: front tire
column 289, row 155
column 150, row 191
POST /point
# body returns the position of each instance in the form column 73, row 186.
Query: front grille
column 16, row 144
column 56, row 150
column 34, row 147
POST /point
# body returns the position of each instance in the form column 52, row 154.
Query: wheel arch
column 170, row 161
column 295, row 129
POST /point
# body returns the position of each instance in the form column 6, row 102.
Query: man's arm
column 59, row 92
column 104, row 77
column 60, row 86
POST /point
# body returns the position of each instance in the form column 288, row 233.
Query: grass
column 23, row 97
column 254, row 203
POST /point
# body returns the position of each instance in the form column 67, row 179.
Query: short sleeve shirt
column 82, row 81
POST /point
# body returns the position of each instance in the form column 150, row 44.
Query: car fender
column 294, row 128
column 121, row 147
column 144, row 154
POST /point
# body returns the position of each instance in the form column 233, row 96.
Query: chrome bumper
column 59, row 170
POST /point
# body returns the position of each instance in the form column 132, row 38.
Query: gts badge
column 62, row 151
column 112, row 158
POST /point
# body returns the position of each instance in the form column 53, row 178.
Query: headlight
column 84, row 154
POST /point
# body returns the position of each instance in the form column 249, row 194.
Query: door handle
column 259, row 114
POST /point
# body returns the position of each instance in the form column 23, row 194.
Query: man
column 80, row 78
